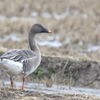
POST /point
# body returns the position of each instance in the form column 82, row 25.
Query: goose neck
column 32, row 43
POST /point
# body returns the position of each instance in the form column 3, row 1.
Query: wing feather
column 26, row 57
column 18, row 55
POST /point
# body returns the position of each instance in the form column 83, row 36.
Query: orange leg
column 22, row 88
column 12, row 82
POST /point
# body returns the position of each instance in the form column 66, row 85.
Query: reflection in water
column 55, row 89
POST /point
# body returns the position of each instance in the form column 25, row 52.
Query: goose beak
column 46, row 31
column 49, row 31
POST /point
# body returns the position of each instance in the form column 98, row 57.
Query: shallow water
column 51, row 41
column 55, row 89
column 51, row 44
column 13, row 37
column 93, row 48
column 14, row 18
column 60, row 16
column 34, row 15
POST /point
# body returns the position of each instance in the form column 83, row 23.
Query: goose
column 23, row 61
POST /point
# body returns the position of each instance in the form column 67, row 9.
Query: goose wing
column 18, row 55
column 26, row 57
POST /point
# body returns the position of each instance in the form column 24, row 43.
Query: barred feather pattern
column 27, row 57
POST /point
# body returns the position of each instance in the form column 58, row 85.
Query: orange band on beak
column 49, row 32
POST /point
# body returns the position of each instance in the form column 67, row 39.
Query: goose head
column 38, row 28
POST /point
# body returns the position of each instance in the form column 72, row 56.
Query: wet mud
column 12, row 94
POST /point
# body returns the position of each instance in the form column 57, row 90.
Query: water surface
column 55, row 89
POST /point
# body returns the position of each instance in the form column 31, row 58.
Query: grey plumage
column 26, row 57
column 18, row 55
column 22, row 61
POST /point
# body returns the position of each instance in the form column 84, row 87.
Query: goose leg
column 23, row 81
column 12, row 82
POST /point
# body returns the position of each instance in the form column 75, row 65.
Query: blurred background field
column 75, row 26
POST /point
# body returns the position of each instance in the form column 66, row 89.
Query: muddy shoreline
column 13, row 94
column 58, row 70
column 66, row 71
